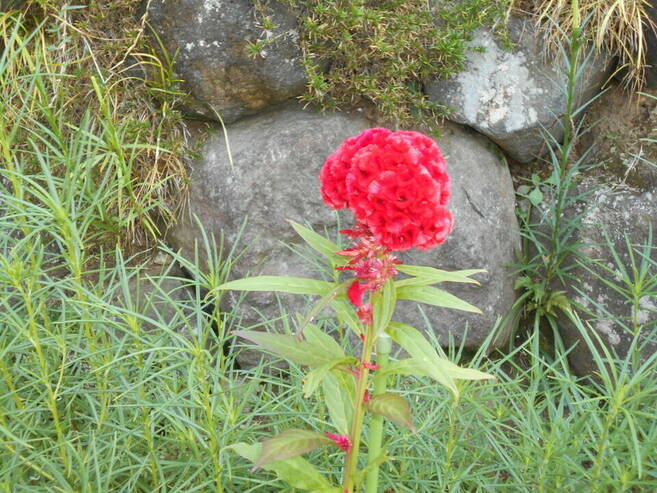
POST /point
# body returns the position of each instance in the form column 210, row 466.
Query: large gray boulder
column 209, row 39
column 509, row 95
column 486, row 236
column 616, row 214
column 275, row 176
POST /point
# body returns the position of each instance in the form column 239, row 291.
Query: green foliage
column 383, row 52
column 69, row 108
column 346, row 399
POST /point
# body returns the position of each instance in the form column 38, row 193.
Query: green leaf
column 419, row 348
column 393, row 407
column 535, row 197
column 282, row 284
column 383, row 306
column 346, row 314
column 313, row 378
column 290, row 443
column 287, row 346
column 338, row 398
column 319, row 243
column 425, row 359
column 436, row 297
column 424, row 276
column 322, row 341
column 297, row 472
column 325, row 301
column 409, row 366
column 412, row 366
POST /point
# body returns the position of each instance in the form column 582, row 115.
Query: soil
column 624, row 139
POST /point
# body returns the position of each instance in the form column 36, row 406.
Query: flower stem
column 383, row 347
column 359, row 414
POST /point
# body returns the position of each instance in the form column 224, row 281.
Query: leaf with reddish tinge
column 393, row 407
column 290, row 443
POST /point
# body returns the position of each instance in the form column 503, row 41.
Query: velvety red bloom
column 396, row 184
column 355, row 293
column 342, row 441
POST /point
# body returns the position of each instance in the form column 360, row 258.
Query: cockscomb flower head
column 395, row 183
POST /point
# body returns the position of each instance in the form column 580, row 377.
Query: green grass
column 101, row 393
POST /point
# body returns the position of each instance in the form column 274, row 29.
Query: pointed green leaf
column 420, row 349
column 425, row 359
column 289, row 444
column 339, row 398
column 424, row 276
column 436, row 297
column 393, row 407
column 315, row 377
column 322, row 341
column 383, row 306
column 281, row 284
column 325, row 301
column 409, row 366
column 412, row 366
column 287, row 346
column 346, row 314
column 459, row 373
column 319, row 243
column 297, row 472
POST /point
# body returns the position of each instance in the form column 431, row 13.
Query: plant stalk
column 383, row 347
column 359, row 414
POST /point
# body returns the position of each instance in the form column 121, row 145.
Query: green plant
column 358, row 51
column 548, row 215
column 405, row 207
column 64, row 97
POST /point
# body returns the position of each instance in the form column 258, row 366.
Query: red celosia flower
column 342, row 441
column 396, row 184
column 355, row 293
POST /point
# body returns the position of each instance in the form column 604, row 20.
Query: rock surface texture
column 277, row 157
column 616, row 213
column 509, row 95
column 485, row 236
column 210, row 40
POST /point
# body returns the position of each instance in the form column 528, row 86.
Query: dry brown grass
column 93, row 53
column 615, row 26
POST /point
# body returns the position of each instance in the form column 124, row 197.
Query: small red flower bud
column 367, row 396
column 341, row 441
column 369, row 366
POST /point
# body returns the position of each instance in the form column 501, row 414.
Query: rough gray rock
column 619, row 212
column 509, row 94
column 210, row 38
column 276, row 161
column 277, row 157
